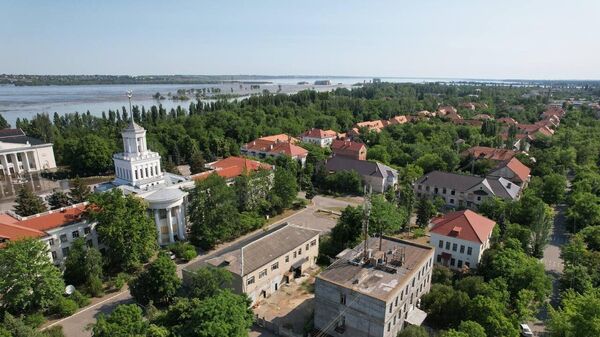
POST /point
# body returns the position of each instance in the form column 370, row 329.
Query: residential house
column 373, row 293
column 57, row 229
column 513, row 170
column 508, row 121
column 275, row 146
column 376, row 126
column 21, row 153
column 460, row 238
column 460, row 190
column 377, row 175
column 259, row 268
column 323, row 138
column 490, row 153
column 483, row 117
column 400, row 119
column 350, row 149
column 231, row 167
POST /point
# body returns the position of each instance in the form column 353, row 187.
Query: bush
column 94, row 286
column 34, row 320
column 65, row 307
column 120, row 280
column 80, row 299
column 189, row 255
column 183, row 250
column 419, row 232
column 55, row 331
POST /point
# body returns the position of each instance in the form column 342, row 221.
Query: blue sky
column 547, row 39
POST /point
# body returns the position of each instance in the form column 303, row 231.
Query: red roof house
column 465, row 225
column 350, row 149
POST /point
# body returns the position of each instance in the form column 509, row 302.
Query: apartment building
column 373, row 294
column 261, row 267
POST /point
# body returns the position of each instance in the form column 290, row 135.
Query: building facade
column 322, row 138
column 460, row 238
column 275, row 146
column 375, row 295
column 378, row 176
column 20, row 153
column 262, row 266
column 349, row 149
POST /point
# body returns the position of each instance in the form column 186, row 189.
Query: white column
column 170, row 224
column 4, row 163
column 157, row 221
column 181, row 221
column 26, row 162
column 16, row 163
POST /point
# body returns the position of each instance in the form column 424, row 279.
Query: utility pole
column 366, row 216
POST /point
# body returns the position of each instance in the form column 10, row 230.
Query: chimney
column 509, row 185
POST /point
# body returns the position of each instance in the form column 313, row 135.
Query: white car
column 526, row 331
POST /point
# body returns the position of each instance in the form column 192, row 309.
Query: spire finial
column 129, row 94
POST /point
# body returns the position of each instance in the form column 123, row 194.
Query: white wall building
column 460, row 238
column 20, row 153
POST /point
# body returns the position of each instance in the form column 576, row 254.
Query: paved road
column 75, row 325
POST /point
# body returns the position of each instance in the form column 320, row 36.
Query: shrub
column 419, row 232
column 55, row 331
column 80, row 298
column 94, row 286
column 34, row 320
column 65, row 307
column 183, row 250
column 120, row 280
column 189, row 255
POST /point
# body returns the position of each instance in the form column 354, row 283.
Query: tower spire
column 129, row 94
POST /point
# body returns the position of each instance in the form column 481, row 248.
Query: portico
column 20, row 153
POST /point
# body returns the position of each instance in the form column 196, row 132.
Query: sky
column 495, row 39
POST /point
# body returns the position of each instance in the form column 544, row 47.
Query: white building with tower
column 138, row 171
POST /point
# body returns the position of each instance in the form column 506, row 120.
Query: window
column 306, row 247
column 287, row 258
column 300, row 251
column 54, row 256
column 250, row 280
column 63, row 238
column 394, row 320
column 453, row 192
column 87, row 230
column 262, row 273
column 447, row 245
column 275, row 266
column 51, row 242
column 391, row 307
column 90, row 243
column 435, row 190
column 439, row 258
column 469, row 250
column 313, row 242
column 441, row 245
column 396, row 302
column 413, row 282
column 342, row 298
column 294, row 254
column 459, row 264
column 75, row 234
column 452, row 201
column 478, row 198
column 454, row 247
column 452, row 262
column 462, row 249
column 65, row 251
column 444, row 190
column 419, row 187
column 427, row 188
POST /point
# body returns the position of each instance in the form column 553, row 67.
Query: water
column 26, row 102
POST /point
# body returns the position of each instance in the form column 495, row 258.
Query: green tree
column 82, row 264
column 553, row 188
column 197, row 163
column 491, row 315
column 206, row 282
column 29, row 280
column 125, row 321
column 285, row 189
column 159, row 283
column 79, row 191
column 425, row 211
column 28, row 203
column 583, row 211
column 89, row 155
column 466, row 329
column 385, row 217
column 125, row 228
column 347, row 231
column 413, row 331
column 437, row 302
column 579, row 315
column 3, row 123
column 58, row 199
column 15, row 327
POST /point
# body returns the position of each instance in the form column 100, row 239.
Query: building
column 138, row 171
column 512, row 170
column 322, row 82
column 377, row 175
column 20, row 153
column 260, row 267
column 460, row 190
column 373, row 294
column 57, row 228
column 349, row 149
column 460, row 238
column 275, row 146
column 490, row 153
column 323, row 138
column 231, row 167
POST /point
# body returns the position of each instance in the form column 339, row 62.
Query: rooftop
column 519, row 169
column 465, row 225
column 378, row 280
column 319, row 133
column 483, row 152
column 232, row 167
column 363, row 167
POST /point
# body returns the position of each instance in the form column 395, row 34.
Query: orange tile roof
column 319, row 133
column 282, row 137
column 232, row 167
column 519, row 169
column 489, row 153
column 400, row 119
column 289, row 149
column 508, row 121
column 464, row 225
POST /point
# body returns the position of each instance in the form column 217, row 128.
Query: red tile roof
column 489, row 153
column 464, row 225
column 282, row 137
column 507, row 120
column 289, row 149
column 319, row 133
column 232, row 167
column 346, row 147
column 518, row 168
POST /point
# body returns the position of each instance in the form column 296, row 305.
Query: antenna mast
column 367, row 215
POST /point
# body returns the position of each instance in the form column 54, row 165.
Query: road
column 75, row 325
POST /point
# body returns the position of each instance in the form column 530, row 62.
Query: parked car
column 526, row 331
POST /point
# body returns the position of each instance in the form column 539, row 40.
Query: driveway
column 310, row 217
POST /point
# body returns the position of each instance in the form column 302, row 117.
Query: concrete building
column 377, row 175
column 20, row 153
column 376, row 296
column 323, row 138
column 260, row 267
column 57, row 228
column 138, row 171
column 460, row 238
column 461, row 190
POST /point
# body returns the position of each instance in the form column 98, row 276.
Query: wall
column 473, row 259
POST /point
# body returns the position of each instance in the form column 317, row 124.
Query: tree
column 494, row 208
column 58, row 199
column 197, row 163
column 159, row 283
column 425, row 211
column 579, row 315
column 413, row 331
column 89, row 155
column 29, row 280
column 206, row 282
column 125, row 321
column 553, row 188
column 385, row 217
column 285, row 189
column 406, row 198
column 3, row 123
column 79, row 191
column 583, row 211
column 491, row 315
column 124, row 227
column 28, row 203
column 83, row 264
column 347, row 231
column 213, row 212
column 466, row 329
column 437, row 302
column 15, row 327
